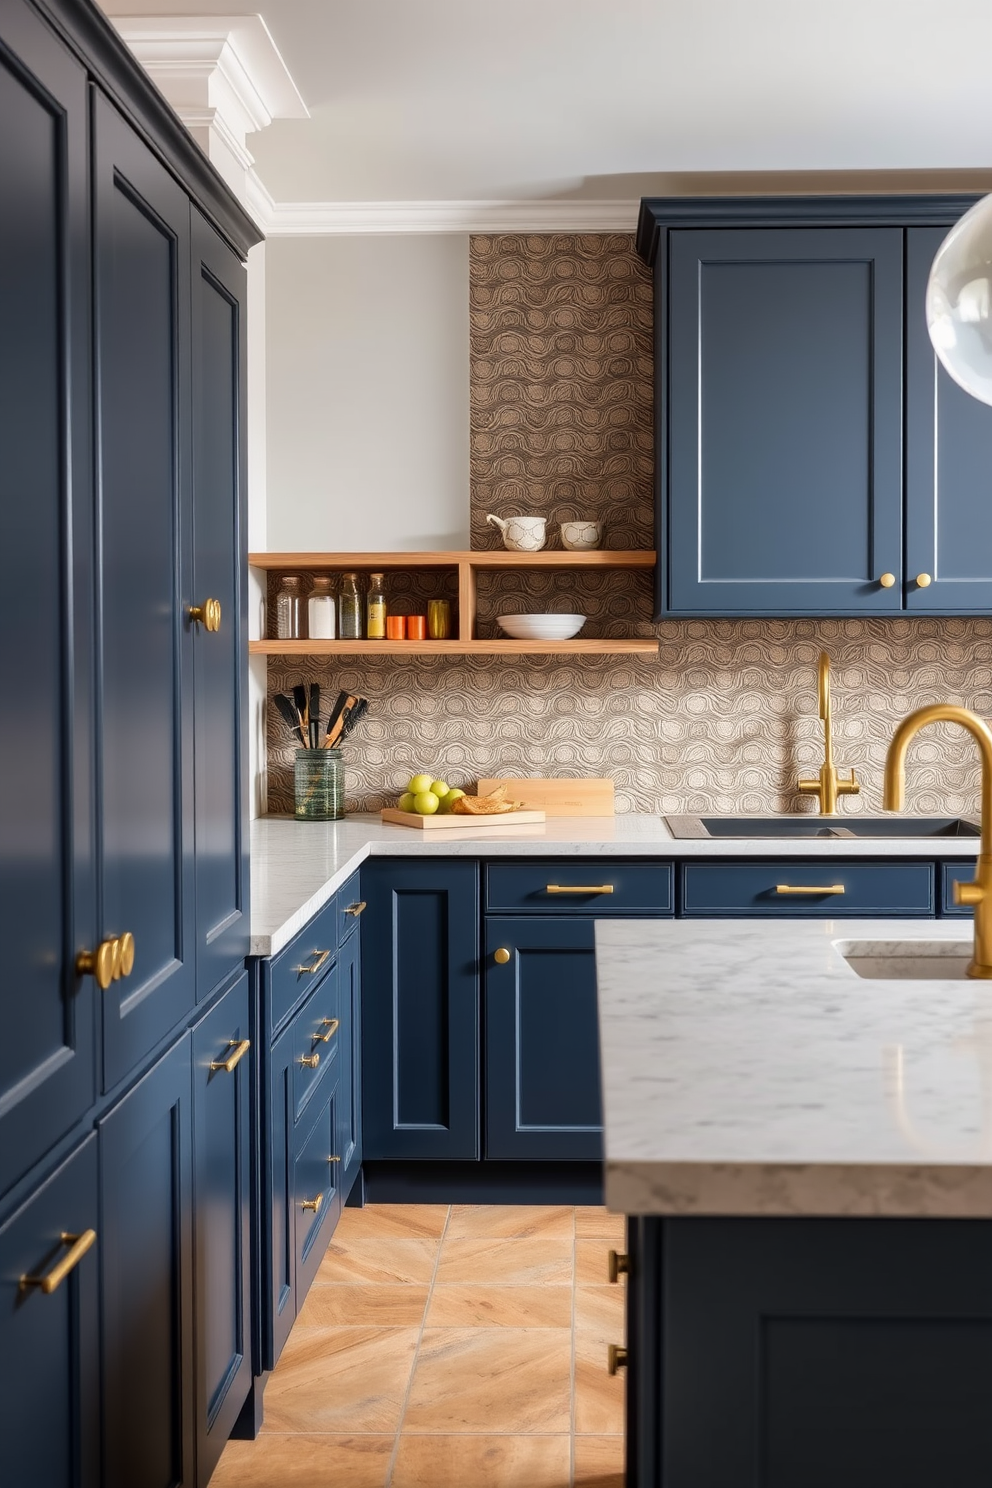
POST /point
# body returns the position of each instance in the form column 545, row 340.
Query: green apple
column 405, row 802
column 425, row 803
column 448, row 800
column 439, row 787
column 419, row 783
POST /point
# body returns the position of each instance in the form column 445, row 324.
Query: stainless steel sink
column 838, row 828
column 922, row 961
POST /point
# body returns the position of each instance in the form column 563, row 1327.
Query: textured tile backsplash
column 725, row 718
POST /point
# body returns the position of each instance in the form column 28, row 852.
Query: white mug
column 581, row 535
column 522, row 534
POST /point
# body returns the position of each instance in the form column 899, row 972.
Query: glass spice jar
column 321, row 610
column 375, row 608
column 289, row 610
column 349, row 609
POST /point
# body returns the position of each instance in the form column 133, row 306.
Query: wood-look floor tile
column 599, row 1314
column 305, row 1461
column 592, row 1261
column 509, row 1221
column 599, row 1462
column 599, row 1397
column 400, row 1221
column 482, row 1462
column 364, row 1306
column 491, row 1380
column 600, row 1224
column 546, row 1260
column 378, row 1260
column 545, row 1306
column 340, row 1380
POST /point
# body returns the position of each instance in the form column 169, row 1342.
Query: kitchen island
column 801, row 1133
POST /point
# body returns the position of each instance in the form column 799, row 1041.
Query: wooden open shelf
column 467, row 565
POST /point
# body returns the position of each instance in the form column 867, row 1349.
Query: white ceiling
column 462, row 100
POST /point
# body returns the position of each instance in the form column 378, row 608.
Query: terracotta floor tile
column 509, row 1221
column 599, row 1462
column 364, row 1306
column 599, row 1398
column 305, row 1461
column 500, row 1306
column 544, row 1260
column 378, row 1260
column 591, row 1261
column 491, row 1380
column 400, row 1221
column 599, row 1314
column 482, row 1462
column 340, row 1380
column 600, row 1224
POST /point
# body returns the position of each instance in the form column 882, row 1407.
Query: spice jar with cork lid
column 321, row 610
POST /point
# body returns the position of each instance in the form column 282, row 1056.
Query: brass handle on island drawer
column 810, row 889
column 239, row 1048
column 80, row 1244
column 313, row 1204
column 356, row 908
column 208, row 614
column 618, row 1265
column 319, row 957
column 616, row 1358
column 332, row 1025
column 578, row 889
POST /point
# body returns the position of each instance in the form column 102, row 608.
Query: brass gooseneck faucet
column 979, row 892
column 827, row 787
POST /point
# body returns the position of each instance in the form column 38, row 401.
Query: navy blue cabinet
column 349, row 1138
column 420, row 1015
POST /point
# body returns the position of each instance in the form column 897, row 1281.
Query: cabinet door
column 49, row 1404
column 47, row 1069
column 420, row 1014
column 948, row 464
column 783, row 413
column 278, row 1229
column 145, row 775
column 349, row 1141
column 222, row 1203
column 542, row 1040
column 218, row 287
column 146, row 1276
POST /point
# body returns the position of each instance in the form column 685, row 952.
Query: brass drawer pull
column 313, row 1204
column 618, row 1265
column 334, row 1159
column 309, row 1061
column 579, row 889
column 79, row 1244
column 332, row 1025
column 239, row 1048
column 356, row 908
column 810, row 889
column 319, row 957
column 208, row 614
column 616, row 1358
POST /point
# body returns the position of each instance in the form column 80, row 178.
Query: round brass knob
column 616, row 1358
column 125, row 959
column 310, row 1061
column 208, row 614
column 102, row 963
column 501, row 956
column 619, row 1265
column 924, row 580
column 887, row 580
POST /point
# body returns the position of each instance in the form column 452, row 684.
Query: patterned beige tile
column 592, row 1262
column 340, row 1380
column 305, row 1461
column 491, row 1381
column 364, row 1306
column 599, row 1397
column 378, row 1260
column 599, row 1314
column 395, row 1221
column 545, row 1261
column 600, row 1224
column 509, row 1222
column 599, row 1462
column 499, row 1306
column 482, row 1462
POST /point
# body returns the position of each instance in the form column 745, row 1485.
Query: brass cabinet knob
column 501, row 956
column 103, row 963
column 616, row 1358
column 310, row 1061
column 239, row 1048
column 887, row 580
column 313, row 1204
column 618, row 1265
column 923, row 581
column 208, row 614
column 125, row 959
column 79, row 1245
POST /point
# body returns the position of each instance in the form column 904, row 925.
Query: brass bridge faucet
column 827, row 787
column 979, row 892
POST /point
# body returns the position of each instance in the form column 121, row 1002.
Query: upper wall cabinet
column 813, row 457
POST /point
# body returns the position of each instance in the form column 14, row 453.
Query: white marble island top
column 748, row 1069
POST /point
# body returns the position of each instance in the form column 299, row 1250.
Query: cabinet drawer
column 317, row 1194
column 600, row 887
column 845, row 888
column 950, row 874
column 349, row 907
column 316, row 1037
column 304, row 962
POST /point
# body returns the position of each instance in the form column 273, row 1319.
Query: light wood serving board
column 577, row 796
column 444, row 823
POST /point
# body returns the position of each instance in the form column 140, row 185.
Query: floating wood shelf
column 412, row 649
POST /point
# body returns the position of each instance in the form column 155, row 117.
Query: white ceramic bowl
column 541, row 627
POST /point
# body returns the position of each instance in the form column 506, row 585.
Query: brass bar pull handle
column 332, row 1025
column 208, row 614
column 810, row 889
column 334, row 1159
column 319, row 957
column 239, row 1048
column 356, row 908
column 309, row 1061
column 313, row 1204
column 578, row 889
column 103, row 963
column 79, row 1245
column 618, row 1265
column 616, row 1358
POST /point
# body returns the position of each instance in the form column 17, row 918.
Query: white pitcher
column 521, row 534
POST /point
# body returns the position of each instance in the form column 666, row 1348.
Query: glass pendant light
column 959, row 301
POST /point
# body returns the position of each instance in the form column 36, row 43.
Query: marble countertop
column 297, row 866
column 748, row 1069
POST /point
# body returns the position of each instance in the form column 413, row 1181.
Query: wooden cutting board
column 579, row 796
column 439, row 823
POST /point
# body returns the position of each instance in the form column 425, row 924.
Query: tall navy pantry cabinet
column 124, row 1067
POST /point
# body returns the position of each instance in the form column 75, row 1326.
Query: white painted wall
column 367, row 393
column 256, row 523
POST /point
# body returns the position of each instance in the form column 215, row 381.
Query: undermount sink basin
column 836, row 828
column 920, row 961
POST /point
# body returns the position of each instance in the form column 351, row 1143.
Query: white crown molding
column 325, row 219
